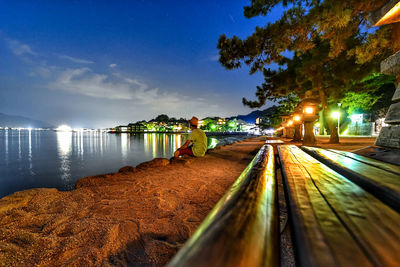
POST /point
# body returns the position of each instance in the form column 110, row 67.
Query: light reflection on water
column 64, row 145
column 30, row 158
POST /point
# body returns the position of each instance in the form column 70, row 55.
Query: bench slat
column 336, row 223
column 379, row 164
column 242, row 229
column 384, row 184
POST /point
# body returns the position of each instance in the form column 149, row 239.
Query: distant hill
column 19, row 121
column 252, row 116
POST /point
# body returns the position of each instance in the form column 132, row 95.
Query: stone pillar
column 390, row 136
column 297, row 132
column 389, row 14
column 309, row 105
column 309, row 137
column 289, row 132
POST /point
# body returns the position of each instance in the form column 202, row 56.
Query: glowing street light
column 290, row 122
column 336, row 115
column 309, row 110
column 297, row 118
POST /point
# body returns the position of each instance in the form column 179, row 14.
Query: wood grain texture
column 378, row 181
column 242, row 229
column 336, row 222
column 370, row 161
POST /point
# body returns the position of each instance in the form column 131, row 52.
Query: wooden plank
column 336, row 222
column 382, row 183
column 315, row 242
column 370, row 161
column 242, row 229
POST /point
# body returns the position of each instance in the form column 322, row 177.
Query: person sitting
column 196, row 144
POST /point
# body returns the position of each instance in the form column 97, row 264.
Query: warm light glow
column 290, row 122
column 296, row 118
column 309, row 110
column 392, row 16
column 335, row 115
column 64, row 128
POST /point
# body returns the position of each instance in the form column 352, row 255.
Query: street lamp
column 309, row 105
column 336, row 115
column 296, row 118
column 309, row 110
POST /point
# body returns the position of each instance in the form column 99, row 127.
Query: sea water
column 37, row 158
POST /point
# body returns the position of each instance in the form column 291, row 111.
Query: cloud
column 42, row 71
column 19, row 48
column 76, row 60
column 84, row 81
column 112, row 65
column 214, row 58
column 231, row 17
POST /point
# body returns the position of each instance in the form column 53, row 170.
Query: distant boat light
column 64, row 128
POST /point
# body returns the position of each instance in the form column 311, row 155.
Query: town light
column 296, row 118
column 290, row 122
column 309, row 110
column 64, row 128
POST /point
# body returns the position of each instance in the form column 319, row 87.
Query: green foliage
column 358, row 102
column 372, row 95
column 288, row 104
column 162, row 118
column 210, row 125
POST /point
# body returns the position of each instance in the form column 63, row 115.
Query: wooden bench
column 378, row 178
column 242, row 229
column 334, row 221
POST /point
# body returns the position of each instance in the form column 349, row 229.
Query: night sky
column 103, row 63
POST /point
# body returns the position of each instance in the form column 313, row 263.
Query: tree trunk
column 334, row 136
column 321, row 123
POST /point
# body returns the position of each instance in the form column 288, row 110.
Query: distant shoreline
column 207, row 133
